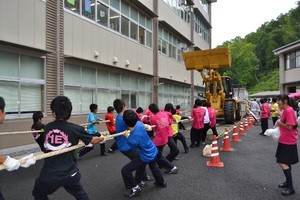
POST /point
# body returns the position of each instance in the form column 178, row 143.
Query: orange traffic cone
column 242, row 131
column 235, row 135
column 226, row 142
column 214, row 160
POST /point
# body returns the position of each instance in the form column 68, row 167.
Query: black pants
column 162, row 161
column 1, row 197
column 85, row 150
column 214, row 130
column 264, row 125
column 71, row 184
column 174, row 151
column 141, row 172
column 274, row 119
column 114, row 146
column 204, row 132
column 136, row 164
column 195, row 135
column 180, row 137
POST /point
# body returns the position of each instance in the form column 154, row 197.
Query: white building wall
column 168, row 66
column 83, row 38
column 201, row 9
column 200, row 42
column 23, row 22
column 165, row 13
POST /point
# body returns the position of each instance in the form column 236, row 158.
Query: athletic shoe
column 143, row 184
column 174, row 170
column 134, row 192
column 160, row 184
column 148, row 178
column 111, row 150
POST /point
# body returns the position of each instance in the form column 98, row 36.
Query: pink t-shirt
column 288, row 136
column 163, row 128
column 212, row 116
column 171, row 120
column 265, row 111
column 147, row 115
column 198, row 117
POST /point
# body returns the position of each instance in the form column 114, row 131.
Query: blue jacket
column 121, row 140
column 139, row 139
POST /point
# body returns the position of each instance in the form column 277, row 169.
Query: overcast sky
column 232, row 18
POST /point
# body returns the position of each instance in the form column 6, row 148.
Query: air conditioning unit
column 182, row 46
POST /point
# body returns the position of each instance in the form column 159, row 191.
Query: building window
column 133, row 31
column 86, row 85
column 116, row 15
column 125, row 8
column 170, row 45
column 141, row 35
column 287, row 62
column 201, row 28
column 298, row 58
column 73, row 5
column 102, row 15
column 115, row 4
column 125, row 26
column 88, row 9
column 114, row 20
column 148, row 39
column 22, row 83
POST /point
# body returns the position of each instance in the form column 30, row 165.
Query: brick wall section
column 55, row 48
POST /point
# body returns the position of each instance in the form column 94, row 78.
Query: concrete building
column 289, row 67
column 95, row 51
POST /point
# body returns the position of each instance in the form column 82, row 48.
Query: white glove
column 276, row 123
column 30, row 160
column 104, row 140
column 11, row 164
column 148, row 127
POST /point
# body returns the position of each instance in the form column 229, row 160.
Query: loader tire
column 238, row 112
column 229, row 112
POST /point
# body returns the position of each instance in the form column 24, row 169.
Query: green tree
column 244, row 62
column 253, row 58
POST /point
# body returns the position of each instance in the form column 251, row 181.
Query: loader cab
column 227, row 87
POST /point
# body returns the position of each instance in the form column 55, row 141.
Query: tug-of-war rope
column 40, row 156
column 80, row 144
column 42, row 131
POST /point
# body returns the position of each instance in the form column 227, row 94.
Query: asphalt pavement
column 250, row 172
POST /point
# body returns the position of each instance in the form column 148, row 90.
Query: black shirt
column 60, row 135
column 38, row 136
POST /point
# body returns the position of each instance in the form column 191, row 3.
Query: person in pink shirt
column 264, row 115
column 197, row 115
column 162, row 122
column 174, row 151
column 287, row 153
column 213, row 118
column 147, row 115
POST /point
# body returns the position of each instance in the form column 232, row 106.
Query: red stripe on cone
column 214, row 160
column 242, row 131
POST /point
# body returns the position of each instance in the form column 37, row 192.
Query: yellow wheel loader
column 218, row 89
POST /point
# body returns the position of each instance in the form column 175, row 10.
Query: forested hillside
column 254, row 64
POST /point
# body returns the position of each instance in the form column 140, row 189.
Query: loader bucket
column 207, row 59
